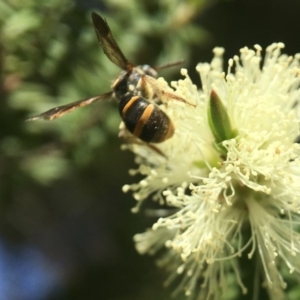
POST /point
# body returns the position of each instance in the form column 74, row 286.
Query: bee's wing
column 108, row 44
column 59, row 111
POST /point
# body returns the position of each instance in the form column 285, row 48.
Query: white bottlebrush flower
column 232, row 173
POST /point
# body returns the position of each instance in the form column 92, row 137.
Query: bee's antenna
column 172, row 64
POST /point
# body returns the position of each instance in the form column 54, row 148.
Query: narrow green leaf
column 219, row 120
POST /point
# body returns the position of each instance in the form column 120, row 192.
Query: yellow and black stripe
column 144, row 119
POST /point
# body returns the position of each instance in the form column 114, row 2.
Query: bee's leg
column 129, row 138
column 150, row 88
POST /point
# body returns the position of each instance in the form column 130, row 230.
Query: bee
column 134, row 89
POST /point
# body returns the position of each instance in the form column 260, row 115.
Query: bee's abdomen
column 145, row 120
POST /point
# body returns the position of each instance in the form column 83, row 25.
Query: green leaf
column 219, row 120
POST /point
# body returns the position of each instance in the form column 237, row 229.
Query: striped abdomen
column 144, row 119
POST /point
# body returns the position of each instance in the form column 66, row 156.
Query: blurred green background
column 65, row 227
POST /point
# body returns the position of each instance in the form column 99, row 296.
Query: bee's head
column 149, row 71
